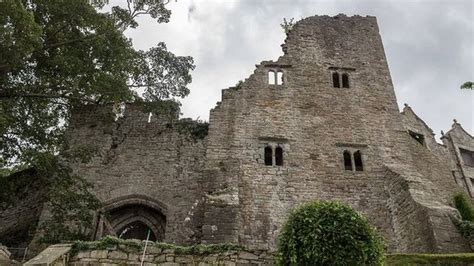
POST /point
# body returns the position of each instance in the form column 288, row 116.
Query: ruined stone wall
column 314, row 122
column 140, row 162
column 455, row 139
column 19, row 214
column 415, row 124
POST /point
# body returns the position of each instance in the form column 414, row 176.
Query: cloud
column 429, row 47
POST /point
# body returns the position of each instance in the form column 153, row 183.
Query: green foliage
column 468, row 85
column 287, row 25
column 20, row 236
column 55, row 55
column 168, row 108
column 328, row 233
column 430, row 259
column 12, row 185
column 201, row 249
column 126, row 245
column 239, row 84
column 197, row 129
column 464, row 206
column 465, row 227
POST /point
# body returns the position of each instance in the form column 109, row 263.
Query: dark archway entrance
column 132, row 218
column 136, row 230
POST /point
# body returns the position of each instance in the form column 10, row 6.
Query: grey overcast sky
column 429, row 46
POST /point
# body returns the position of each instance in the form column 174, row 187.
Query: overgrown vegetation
column 287, row 25
column 136, row 245
column 328, row 233
column 463, row 204
column 430, row 259
column 56, row 56
column 468, row 85
column 196, row 128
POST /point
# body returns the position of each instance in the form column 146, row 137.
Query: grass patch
column 458, row 259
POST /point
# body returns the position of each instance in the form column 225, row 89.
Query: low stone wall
column 157, row 256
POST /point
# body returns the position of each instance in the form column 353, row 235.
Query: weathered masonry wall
column 156, row 256
column 314, row 123
column 145, row 169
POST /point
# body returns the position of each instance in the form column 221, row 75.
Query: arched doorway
column 133, row 217
column 136, row 230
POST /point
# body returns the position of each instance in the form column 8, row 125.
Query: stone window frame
column 352, row 148
column 463, row 150
column 275, row 72
column 273, row 146
column 342, row 71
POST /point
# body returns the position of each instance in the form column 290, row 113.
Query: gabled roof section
column 456, row 127
column 408, row 111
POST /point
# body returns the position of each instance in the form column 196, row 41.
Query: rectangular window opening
column 467, row 157
column 418, row 137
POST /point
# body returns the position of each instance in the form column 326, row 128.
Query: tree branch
column 54, row 45
column 40, row 95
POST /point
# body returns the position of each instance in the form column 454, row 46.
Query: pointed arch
column 132, row 216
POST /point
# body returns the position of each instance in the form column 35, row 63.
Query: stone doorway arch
column 133, row 216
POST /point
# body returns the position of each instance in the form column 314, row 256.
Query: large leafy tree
column 57, row 54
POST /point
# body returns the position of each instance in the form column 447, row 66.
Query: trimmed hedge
column 460, row 259
column 328, row 233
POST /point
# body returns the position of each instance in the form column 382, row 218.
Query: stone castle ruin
column 321, row 122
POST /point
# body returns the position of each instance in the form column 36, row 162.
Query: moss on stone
column 110, row 242
column 430, row 259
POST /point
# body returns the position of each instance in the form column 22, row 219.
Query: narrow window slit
column 335, row 80
column 268, row 156
column 271, row 77
column 279, row 77
column 347, row 161
column 345, row 80
column 358, row 161
column 279, row 156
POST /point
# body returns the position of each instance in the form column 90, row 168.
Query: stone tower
column 322, row 122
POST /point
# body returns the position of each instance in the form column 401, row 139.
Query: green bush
column 464, row 206
column 328, row 233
